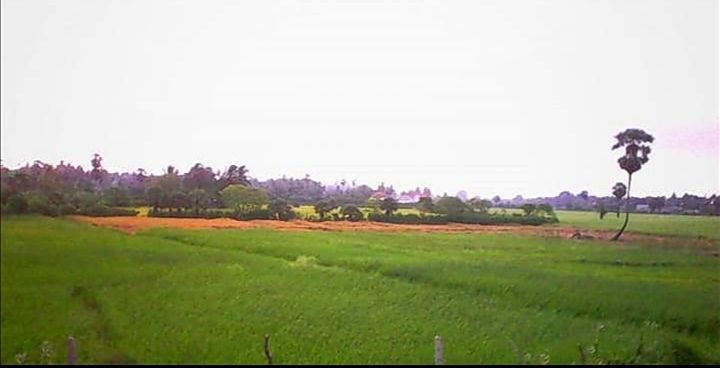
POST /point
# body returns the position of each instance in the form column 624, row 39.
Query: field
column 666, row 225
column 648, row 224
column 168, row 295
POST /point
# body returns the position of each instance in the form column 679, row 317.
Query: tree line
column 65, row 189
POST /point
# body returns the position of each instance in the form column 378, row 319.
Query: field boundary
column 131, row 225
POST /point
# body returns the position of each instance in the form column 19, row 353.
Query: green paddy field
column 209, row 296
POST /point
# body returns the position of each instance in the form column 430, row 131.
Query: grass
column 208, row 296
column 665, row 225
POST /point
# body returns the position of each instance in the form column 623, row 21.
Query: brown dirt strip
column 134, row 224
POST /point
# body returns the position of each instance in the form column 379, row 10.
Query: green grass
column 666, row 225
column 208, row 296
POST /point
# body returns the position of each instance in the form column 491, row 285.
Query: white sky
column 493, row 97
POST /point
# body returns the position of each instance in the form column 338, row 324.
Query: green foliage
column 388, row 205
column 480, row 205
column 253, row 214
column 154, row 196
column 102, row 211
column 528, row 209
column 637, row 149
column 207, row 214
column 17, row 203
column 352, row 213
column 243, row 199
column 116, row 197
column 425, row 205
column 462, row 218
column 451, row 206
column 409, row 219
column 281, row 210
column 324, row 206
column 198, row 199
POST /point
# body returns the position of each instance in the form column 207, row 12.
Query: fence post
column 268, row 353
column 71, row 357
column 438, row 351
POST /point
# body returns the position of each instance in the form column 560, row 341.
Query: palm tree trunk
column 627, row 211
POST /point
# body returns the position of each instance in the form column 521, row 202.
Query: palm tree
column 389, row 205
column 619, row 191
column 635, row 142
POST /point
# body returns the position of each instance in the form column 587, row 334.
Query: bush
column 281, row 210
column 410, row 219
column 40, row 203
column 462, row 218
column 17, row 204
column 352, row 213
column 257, row 214
column 451, row 206
column 207, row 214
column 99, row 210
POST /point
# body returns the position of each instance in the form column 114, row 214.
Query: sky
column 491, row 97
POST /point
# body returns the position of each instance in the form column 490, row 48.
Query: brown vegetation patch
column 134, row 224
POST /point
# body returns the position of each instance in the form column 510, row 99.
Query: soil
column 134, row 224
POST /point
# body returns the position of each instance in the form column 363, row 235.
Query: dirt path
column 134, row 224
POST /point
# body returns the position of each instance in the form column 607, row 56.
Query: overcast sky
column 493, row 97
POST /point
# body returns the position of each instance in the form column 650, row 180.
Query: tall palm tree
column 619, row 191
column 637, row 149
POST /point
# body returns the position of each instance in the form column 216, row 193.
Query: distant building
column 642, row 208
column 411, row 196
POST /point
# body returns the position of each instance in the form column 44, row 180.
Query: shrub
column 410, row 219
column 244, row 200
column 451, row 206
column 207, row 214
column 281, row 210
column 462, row 218
column 104, row 211
column 352, row 213
column 257, row 214
column 17, row 203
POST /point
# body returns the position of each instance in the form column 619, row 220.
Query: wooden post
column 268, row 353
column 438, row 351
column 71, row 357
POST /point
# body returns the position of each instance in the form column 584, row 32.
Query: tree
column 619, row 191
column 601, row 208
column 480, row 205
column 154, row 197
column 545, row 208
column 232, row 176
column 243, row 199
column 656, row 204
column 425, row 204
column 451, row 206
column 389, row 205
column 198, row 199
column 281, row 210
column 170, row 182
column 324, row 206
column 352, row 213
column 201, row 177
column 98, row 173
column 116, row 196
column 528, row 208
column 637, row 149
column 179, row 199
